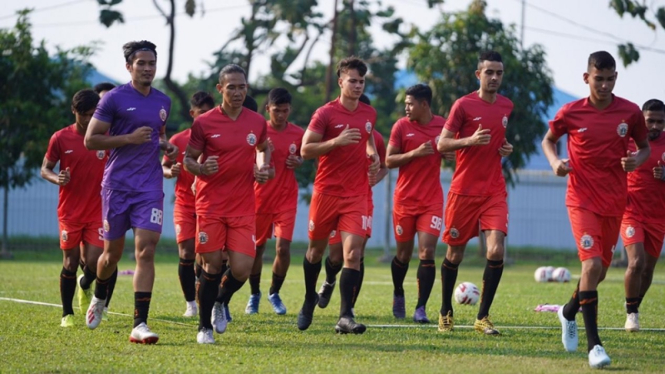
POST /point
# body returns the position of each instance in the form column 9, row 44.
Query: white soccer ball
column 467, row 293
column 543, row 274
column 561, row 275
column 550, row 271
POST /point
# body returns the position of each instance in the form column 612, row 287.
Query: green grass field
column 31, row 339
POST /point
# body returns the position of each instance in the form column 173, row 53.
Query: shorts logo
column 368, row 126
column 454, row 233
column 107, row 227
column 586, row 242
column 311, row 225
column 101, row 154
column 333, row 233
column 63, row 235
column 399, row 230
column 293, row 149
column 504, row 121
column 251, row 139
column 162, row 114
column 178, row 229
column 622, row 129
column 203, row 237
column 630, row 231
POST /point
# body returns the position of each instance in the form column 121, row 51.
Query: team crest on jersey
column 311, row 225
column 622, row 129
column 107, row 227
column 504, row 121
column 101, row 154
column 368, row 126
column 454, row 233
column 630, row 231
column 251, row 139
column 203, row 237
column 293, row 148
column 586, row 241
column 333, row 233
column 162, row 114
column 64, row 236
column 178, row 229
column 399, row 230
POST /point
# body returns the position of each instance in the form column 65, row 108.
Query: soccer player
column 184, row 214
column 130, row 121
column 476, row 130
column 276, row 201
column 339, row 134
column 103, row 88
column 227, row 139
column 335, row 260
column 79, row 203
column 643, row 222
column 418, row 200
column 599, row 128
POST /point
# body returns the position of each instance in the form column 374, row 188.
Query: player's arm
column 170, row 150
column 313, row 147
column 559, row 166
column 373, row 154
column 97, row 137
column 659, row 171
column 395, row 158
column 635, row 159
column 209, row 166
column 47, row 173
column 262, row 170
column 448, row 143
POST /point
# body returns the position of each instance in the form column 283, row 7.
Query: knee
column 71, row 263
column 241, row 274
column 353, row 255
column 145, row 253
column 495, row 252
column 455, row 255
column 636, row 265
column 314, row 255
column 283, row 251
column 427, row 253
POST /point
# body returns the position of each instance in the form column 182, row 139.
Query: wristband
column 201, row 169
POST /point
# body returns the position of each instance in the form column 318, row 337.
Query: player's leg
column 404, row 228
column 264, row 231
column 491, row 279
column 185, row 229
column 652, row 243
column 279, row 269
column 426, row 273
column 333, row 265
column 348, row 283
column 211, row 275
column 362, row 274
column 144, row 279
column 91, row 249
column 70, row 261
column 633, row 283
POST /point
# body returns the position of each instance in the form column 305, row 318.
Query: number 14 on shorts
column 367, row 222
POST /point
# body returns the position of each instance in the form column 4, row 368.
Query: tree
column 35, row 96
column 637, row 9
column 447, row 56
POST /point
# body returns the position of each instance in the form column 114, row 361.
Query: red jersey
column 230, row 191
column 79, row 200
column 281, row 193
column 380, row 150
column 597, row 140
column 184, row 197
column 478, row 171
column 342, row 172
column 418, row 183
column 646, row 194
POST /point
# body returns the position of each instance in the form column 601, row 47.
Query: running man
column 599, row 128
column 339, row 134
column 184, row 214
column 130, row 121
column 226, row 139
column 79, row 203
column 643, row 222
column 476, row 130
column 276, row 201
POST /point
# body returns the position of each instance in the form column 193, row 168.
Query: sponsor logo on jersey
column 630, row 231
column 454, row 233
column 339, row 126
column 478, row 118
column 368, row 126
column 101, row 154
column 64, row 236
column 203, row 237
column 311, row 225
column 586, row 241
column 583, row 129
column 69, row 151
column 215, row 136
column 410, row 135
column 622, row 129
column 131, row 109
column 293, row 148
column 399, row 230
column 504, row 121
column 251, row 139
column 162, row 114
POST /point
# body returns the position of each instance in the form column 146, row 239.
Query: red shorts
column 235, row 234
column 280, row 224
column 336, row 237
column 185, row 223
column 595, row 235
column 651, row 234
column 73, row 234
column 408, row 221
column 328, row 213
column 464, row 212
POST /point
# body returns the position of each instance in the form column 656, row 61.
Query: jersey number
column 156, row 216
column 367, row 222
column 436, row 223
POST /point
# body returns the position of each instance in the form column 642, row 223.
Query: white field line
column 21, row 301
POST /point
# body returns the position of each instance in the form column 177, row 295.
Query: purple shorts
column 122, row 210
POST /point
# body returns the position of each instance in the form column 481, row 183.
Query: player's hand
column 481, row 136
column 424, row 149
column 448, row 156
column 64, row 177
column 193, row 186
column 210, row 166
column 261, row 174
column 658, row 171
column 628, row 163
column 175, row 170
column 561, row 167
column 293, row 161
column 141, row 135
column 170, row 151
column 348, row 136
column 506, row 149
column 374, row 166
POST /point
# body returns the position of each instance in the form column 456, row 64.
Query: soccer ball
column 467, row 293
column 550, row 271
column 561, row 275
column 543, row 274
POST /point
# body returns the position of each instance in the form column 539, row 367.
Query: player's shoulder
column 161, row 95
column 182, row 134
column 438, row 121
column 293, row 128
column 502, row 100
column 627, row 105
column 401, row 123
column 362, row 107
column 250, row 115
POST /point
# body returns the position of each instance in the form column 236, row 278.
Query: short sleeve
column 319, row 122
column 53, row 151
column 380, row 147
column 456, row 118
column 559, row 126
column 264, row 131
column 639, row 130
column 197, row 138
column 396, row 135
column 106, row 108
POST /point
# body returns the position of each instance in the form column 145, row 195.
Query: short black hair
column 230, row 69
column 653, row 105
column 104, row 86
column 250, row 104
column 489, row 56
column 420, row 92
column 130, row 49
column 351, row 63
column 200, row 99
column 601, row 60
column 278, row 96
column 365, row 100
column 84, row 101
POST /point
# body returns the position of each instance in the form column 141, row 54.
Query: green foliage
column 35, row 98
column 637, row 9
column 447, row 56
